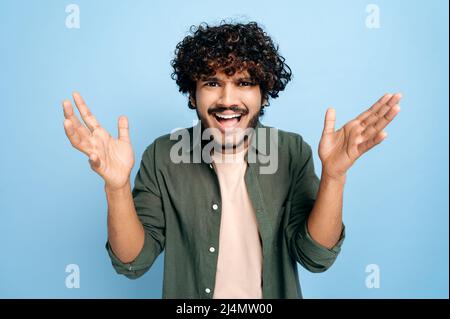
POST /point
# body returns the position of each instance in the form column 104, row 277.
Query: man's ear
column 192, row 100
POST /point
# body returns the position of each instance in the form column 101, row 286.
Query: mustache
column 235, row 109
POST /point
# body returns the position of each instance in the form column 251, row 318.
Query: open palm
column 112, row 159
column 338, row 150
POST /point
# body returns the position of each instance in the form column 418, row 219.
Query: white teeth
column 230, row 116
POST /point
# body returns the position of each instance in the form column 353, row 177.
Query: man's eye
column 246, row 83
column 213, row 84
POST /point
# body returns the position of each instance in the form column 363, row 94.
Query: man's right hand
column 112, row 159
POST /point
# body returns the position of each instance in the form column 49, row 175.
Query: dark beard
column 251, row 124
column 254, row 120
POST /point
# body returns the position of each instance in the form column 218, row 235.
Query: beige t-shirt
column 239, row 265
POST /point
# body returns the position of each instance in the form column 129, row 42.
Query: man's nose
column 229, row 96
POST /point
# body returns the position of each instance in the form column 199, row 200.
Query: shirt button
column 212, row 249
column 215, row 206
column 207, row 290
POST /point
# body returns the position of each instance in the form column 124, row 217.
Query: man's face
column 228, row 106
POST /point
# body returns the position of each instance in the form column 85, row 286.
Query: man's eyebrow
column 245, row 78
column 213, row 78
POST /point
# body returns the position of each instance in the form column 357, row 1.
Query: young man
column 228, row 230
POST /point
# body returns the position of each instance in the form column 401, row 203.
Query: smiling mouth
column 228, row 121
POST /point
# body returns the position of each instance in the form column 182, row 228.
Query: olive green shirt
column 179, row 205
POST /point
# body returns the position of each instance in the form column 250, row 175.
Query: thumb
column 330, row 120
column 124, row 132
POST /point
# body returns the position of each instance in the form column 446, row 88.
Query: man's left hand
column 338, row 150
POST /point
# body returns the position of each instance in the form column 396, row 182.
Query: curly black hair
column 231, row 47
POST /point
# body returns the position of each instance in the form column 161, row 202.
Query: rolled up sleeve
column 303, row 248
column 315, row 257
column 139, row 266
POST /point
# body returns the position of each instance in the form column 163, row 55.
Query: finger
column 374, row 108
column 367, row 145
column 86, row 114
column 70, row 115
column 330, row 120
column 72, row 134
column 395, row 99
column 355, row 135
column 387, row 118
column 354, row 139
column 377, row 123
column 124, row 134
column 374, row 117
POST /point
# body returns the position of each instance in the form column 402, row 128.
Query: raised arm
column 338, row 150
column 113, row 160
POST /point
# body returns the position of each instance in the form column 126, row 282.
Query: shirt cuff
column 334, row 250
column 134, row 269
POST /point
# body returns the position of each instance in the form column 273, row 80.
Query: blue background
column 53, row 207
